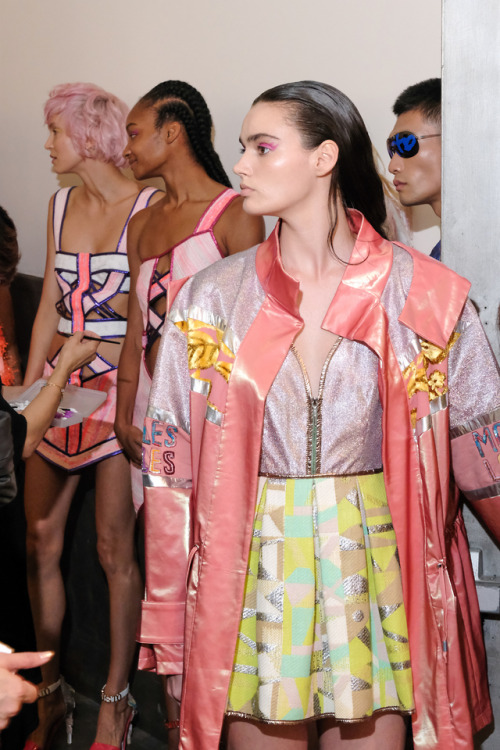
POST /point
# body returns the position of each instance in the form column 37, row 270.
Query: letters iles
column 157, row 437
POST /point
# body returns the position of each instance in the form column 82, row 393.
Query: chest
column 167, row 228
column 314, row 343
column 338, row 430
column 94, row 231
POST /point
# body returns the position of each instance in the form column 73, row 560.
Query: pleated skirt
column 323, row 628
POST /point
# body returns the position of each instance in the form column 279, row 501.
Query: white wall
column 471, row 197
column 230, row 49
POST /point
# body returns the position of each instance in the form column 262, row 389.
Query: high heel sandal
column 68, row 694
column 127, row 733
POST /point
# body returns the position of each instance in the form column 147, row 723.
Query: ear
column 326, row 157
column 172, row 130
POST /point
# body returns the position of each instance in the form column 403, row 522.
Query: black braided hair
column 178, row 101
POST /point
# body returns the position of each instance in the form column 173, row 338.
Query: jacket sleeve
column 167, row 477
column 474, row 394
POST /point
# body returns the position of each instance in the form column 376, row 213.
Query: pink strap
column 214, row 211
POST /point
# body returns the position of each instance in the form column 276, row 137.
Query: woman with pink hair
column 85, row 288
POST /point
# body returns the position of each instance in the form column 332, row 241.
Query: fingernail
column 45, row 654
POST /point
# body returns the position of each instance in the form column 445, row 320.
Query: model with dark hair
column 85, row 288
column 297, row 457
column 199, row 220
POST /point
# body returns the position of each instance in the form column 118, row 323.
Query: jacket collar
column 434, row 302
column 432, row 309
column 362, row 284
column 276, row 282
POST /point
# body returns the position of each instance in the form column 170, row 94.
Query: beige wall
column 230, row 49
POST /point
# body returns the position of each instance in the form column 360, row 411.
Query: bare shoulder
column 74, row 190
column 144, row 229
column 155, row 198
column 145, row 215
column 237, row 230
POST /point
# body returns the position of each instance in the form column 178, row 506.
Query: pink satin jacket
column 229, row 331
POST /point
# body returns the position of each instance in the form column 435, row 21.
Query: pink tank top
column 189, row 256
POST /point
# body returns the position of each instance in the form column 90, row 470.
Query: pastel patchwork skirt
column 323, row 629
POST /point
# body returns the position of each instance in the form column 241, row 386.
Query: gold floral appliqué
column 417, row 374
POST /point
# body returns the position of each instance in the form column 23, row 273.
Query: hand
column 130, row 438
column 14, row 691
column 76, row 352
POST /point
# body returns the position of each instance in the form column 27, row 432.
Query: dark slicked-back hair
column 177, row 101
column 321, row 113
column 424, row 97
column 9, row 250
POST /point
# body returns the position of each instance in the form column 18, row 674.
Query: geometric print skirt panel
column 323, row 629
column 75, row 447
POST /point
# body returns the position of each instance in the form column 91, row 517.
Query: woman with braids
column 85, row 288
column 198, row 221
column 309, row 399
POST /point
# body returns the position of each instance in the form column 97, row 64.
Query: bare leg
column 248, row 735
column 115, row 523
column 48, row 495
column 173, row 707
column 386, row 731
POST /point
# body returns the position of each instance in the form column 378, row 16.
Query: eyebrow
column 258, row 136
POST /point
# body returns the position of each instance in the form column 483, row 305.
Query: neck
column 104, row 182
column 186, row 180
column 436, row 207
column 305, row 249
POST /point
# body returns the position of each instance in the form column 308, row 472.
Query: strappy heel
column 129, row 727
column 69, row 699
column 68, row 694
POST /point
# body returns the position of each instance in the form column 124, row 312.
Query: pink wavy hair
column 90, row 114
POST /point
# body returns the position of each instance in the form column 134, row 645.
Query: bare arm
column 76, row 352
column 47, row 317
column 130, row 436
column 236, row 230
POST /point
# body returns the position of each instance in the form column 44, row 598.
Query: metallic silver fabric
column 351, row 417
column 473, row 390
column 475, row 424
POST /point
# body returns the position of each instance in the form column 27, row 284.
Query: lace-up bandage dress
column 89, row 283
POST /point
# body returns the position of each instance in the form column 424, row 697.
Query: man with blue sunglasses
column 414, row 147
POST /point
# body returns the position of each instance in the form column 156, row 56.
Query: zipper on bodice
column 314, row 427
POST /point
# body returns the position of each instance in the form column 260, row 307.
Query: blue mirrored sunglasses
column 405, row 143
